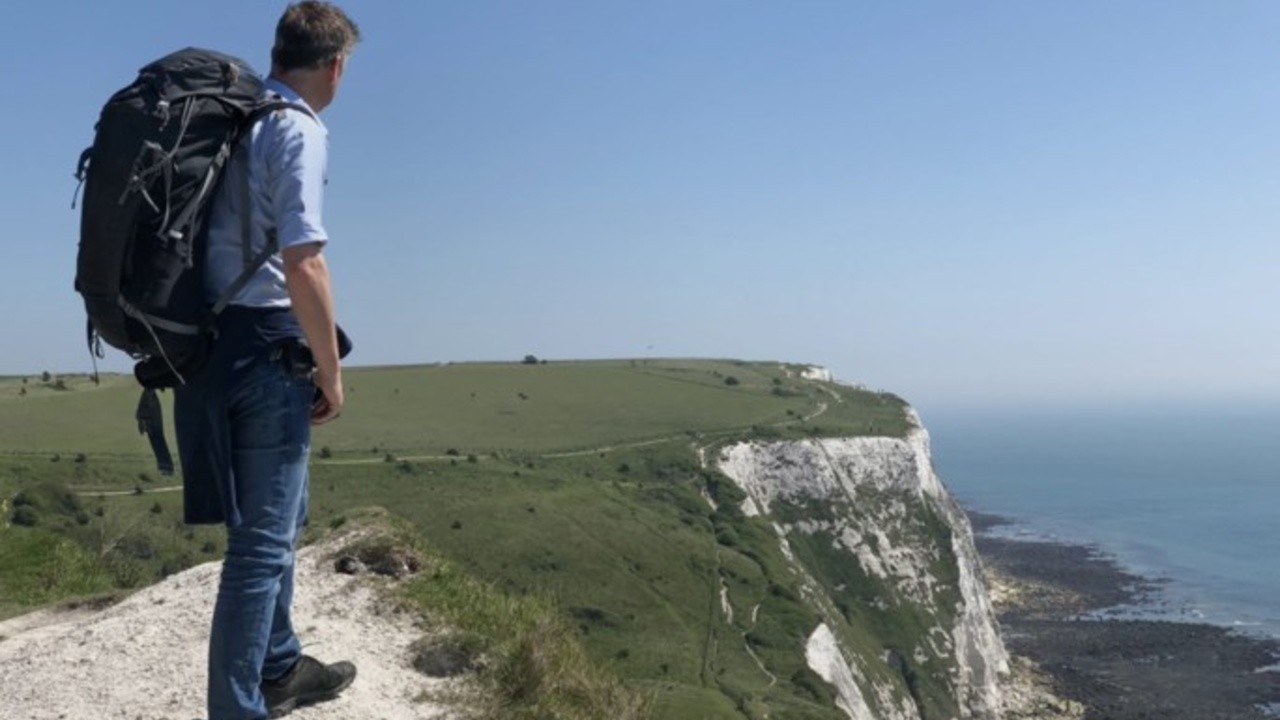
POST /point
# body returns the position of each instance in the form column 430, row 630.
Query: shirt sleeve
column 297, row 164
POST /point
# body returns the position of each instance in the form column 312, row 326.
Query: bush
column 530, row 360
column 813, row 685
column 82, row 458
column 731, row 380
column 138, row 547
column 325, row 452
column 156, row 509
column 472, row 459
column 25, row 516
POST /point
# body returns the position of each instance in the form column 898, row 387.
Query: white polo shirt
column 286, row 155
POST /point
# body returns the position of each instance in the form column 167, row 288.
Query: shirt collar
column 288, row 94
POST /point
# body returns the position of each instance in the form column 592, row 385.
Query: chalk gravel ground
column 144, row 658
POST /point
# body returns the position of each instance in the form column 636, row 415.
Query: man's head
column 313, row 40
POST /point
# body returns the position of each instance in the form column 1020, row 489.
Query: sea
column 1185, row 493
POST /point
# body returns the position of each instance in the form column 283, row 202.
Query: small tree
column 45, row 376
column 530, row 360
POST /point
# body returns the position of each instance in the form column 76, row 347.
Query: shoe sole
column 303, row 700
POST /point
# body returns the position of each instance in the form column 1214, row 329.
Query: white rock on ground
column 144, row 658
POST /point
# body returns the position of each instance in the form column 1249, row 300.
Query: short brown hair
column 312, row 33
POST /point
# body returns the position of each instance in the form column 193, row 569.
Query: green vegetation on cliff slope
column 577, row 481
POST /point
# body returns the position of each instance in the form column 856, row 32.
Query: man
column 244, row 422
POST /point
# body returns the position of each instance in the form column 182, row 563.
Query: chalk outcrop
column 145, row 657
column 909, row 567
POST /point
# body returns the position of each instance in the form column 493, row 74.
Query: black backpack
column 157, row 159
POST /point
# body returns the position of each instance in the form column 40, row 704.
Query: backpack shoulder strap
column 252, row 261
column 256, row 262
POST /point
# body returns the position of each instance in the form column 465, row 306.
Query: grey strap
column 182, row 225
column 151, row 321
column 256, row 262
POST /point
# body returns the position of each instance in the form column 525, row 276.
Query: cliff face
column 886, row 558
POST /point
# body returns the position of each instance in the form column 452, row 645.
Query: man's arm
column 306, row 275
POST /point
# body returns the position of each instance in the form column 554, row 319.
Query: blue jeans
column 269, row 414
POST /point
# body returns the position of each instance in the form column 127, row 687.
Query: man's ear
column 337, row 67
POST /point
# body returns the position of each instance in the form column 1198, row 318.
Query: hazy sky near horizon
column 964, row 203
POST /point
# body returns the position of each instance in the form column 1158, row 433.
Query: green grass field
column 579, row 481
column 481, row 407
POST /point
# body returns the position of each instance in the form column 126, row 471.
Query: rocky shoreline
column 1119, row 669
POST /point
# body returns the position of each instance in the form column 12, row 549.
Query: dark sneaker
column 310, row 681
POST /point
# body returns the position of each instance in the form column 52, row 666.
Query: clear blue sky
column 965, row 203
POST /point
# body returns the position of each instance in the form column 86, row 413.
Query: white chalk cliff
column 878, row 500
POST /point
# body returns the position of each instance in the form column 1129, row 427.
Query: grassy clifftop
column 557, row 406
column 578, row 481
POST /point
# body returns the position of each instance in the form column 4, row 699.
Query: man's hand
column 307, row 277
column 329, row 397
